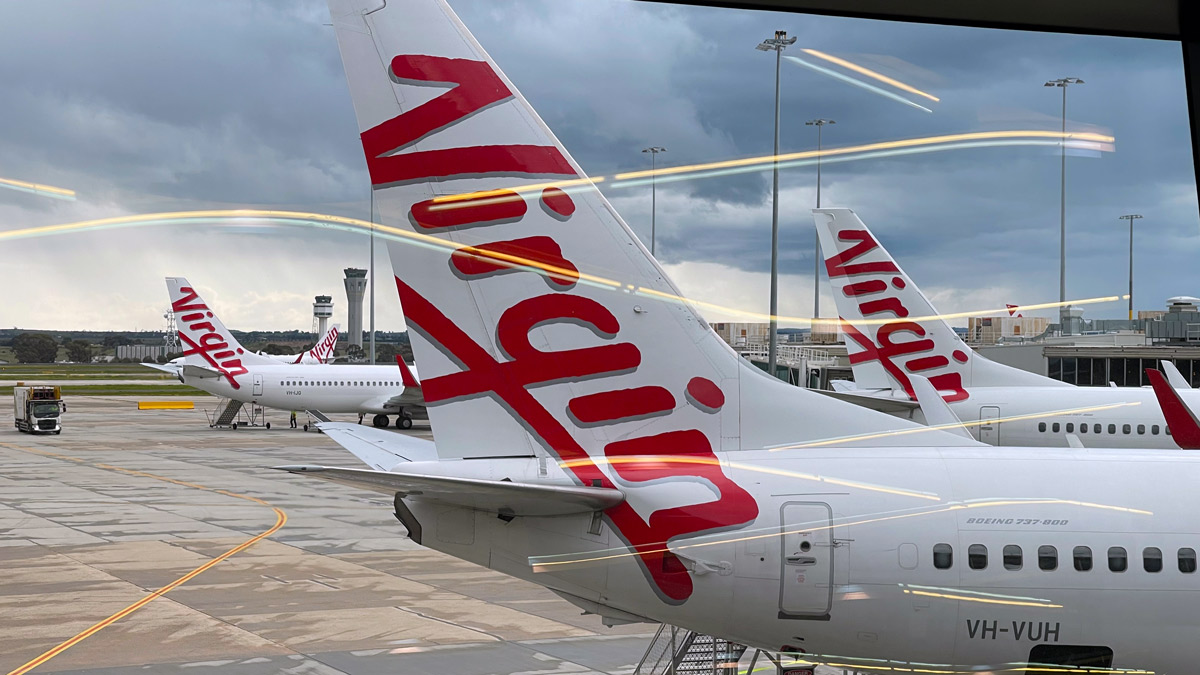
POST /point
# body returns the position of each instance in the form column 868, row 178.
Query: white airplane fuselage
column 1116, row 417
column 327, row 388
column 847, row 572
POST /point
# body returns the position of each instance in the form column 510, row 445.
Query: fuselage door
column 258, row 384
column 806, row 579
column 989, row 428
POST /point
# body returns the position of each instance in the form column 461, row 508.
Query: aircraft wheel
column 234, row 426
column 268, row 426
column 404, row 422
column 306, row 427
column 380, row 421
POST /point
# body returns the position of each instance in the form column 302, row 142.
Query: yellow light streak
column 539, row 563
column 38, row 187
column 868, row 147
column 861, row 70
column 987, row 601
column 683, row 459
column 971, row 423
column 302, row 218
column 960, row 315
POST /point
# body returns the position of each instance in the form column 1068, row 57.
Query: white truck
column 38, row 409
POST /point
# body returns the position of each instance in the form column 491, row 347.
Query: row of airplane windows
column 1097, row 428
column 1047, row 558
column 357, row 383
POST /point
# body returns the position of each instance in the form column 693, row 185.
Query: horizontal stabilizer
column 190, row 370
column 501, row 497
column 165, row 367
column 882, row 403
column 379, row 448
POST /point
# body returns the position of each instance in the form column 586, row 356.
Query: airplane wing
column 937, row 412
column 1174, row 377
column 885, row 404
column 379, row 448
column 498, row 496
column 1181, row 420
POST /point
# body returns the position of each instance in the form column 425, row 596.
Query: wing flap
column 501, row 497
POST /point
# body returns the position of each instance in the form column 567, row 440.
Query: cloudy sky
column 145, row 106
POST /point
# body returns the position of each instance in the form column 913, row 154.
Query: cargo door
column 806, row 580
column 989, row 428
column 258, row 384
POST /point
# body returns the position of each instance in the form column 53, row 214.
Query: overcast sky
column 146, row 107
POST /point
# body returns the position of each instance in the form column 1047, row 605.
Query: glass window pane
column 1116, row 372
column 1070, row 427
column 1054, row 427
column 1083, row 428
column 1055, row 371
column 1068, row 367
column 1154, row 430
column 1125, row 428
column 977, row 557
column 1141, row 428
column 1012, row 557
column 1112, row 428
column 1047, row 558
column 1083, row 375
column 1187, row 560
column 1041, row 426
column 1095, row 428
column 1133, row 373
column 1152, row 559
column 943, row 556
column 1118, row 560
column 1083, row 558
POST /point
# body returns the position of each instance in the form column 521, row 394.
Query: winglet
column 935, row 409
column 1175, row 377
column 406, row 375
column 1182, row 422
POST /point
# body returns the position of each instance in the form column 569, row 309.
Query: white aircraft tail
column 892, row 331
column 205, row 340
column 540, row 323
column 322, row 352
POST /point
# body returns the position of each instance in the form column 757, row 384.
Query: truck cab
column 37, row 409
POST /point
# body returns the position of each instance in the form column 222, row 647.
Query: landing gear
column 306, row 427
column 380, row 421
column 268, row 426
column 403, row 422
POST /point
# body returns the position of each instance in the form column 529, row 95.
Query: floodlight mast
column 1130, row 217
column 776, row 44
column 1063, row 83
column 653, row 150
column 818, row 123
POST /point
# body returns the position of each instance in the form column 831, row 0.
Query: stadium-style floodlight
column 818, row 123
column 776, row 44
column 653, row 150
column 1063, row 83
column 1130, row 217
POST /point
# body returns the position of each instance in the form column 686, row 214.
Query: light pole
column 818, row 123
column 653, row 150
column 776, row 44
column 1130, row 217
column 1063, row 83
column 372, row 273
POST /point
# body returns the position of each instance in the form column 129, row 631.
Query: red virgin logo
column 684, row 454
column 211, row 345
column 899, row 344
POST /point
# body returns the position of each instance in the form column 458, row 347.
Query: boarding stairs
column 675, row 651
column 231, row 414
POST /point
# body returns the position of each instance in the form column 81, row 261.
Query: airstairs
column 675, row 651
column 231, row 414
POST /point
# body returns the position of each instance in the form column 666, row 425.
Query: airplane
column 893, row 332
column 215, row 362
column 594, row 436
column 321, row 351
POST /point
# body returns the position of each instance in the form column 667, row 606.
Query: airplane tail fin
column 892, row 330
column 322, row 352
column 541, row 324
column 205, row 340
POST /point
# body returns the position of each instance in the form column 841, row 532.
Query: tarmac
column 125, row 502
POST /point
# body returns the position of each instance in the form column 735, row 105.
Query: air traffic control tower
column 356, row 286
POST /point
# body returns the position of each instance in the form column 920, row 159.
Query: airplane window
column 1152, row 559
column 1047, row 558
column 1070, row 427
column 1012, row 557
column 1083, row 558
column 1168, row 428
column 977, row 556
column 1154, row 430
column 1041, row 426
column 1141, row 428
column 1083, row 428
column 1187, row 560
column 1054, row 427
column 1125, row 428
column 943, row 556
column 1117, row 559
column 1112, row 428
column 1095, row 428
